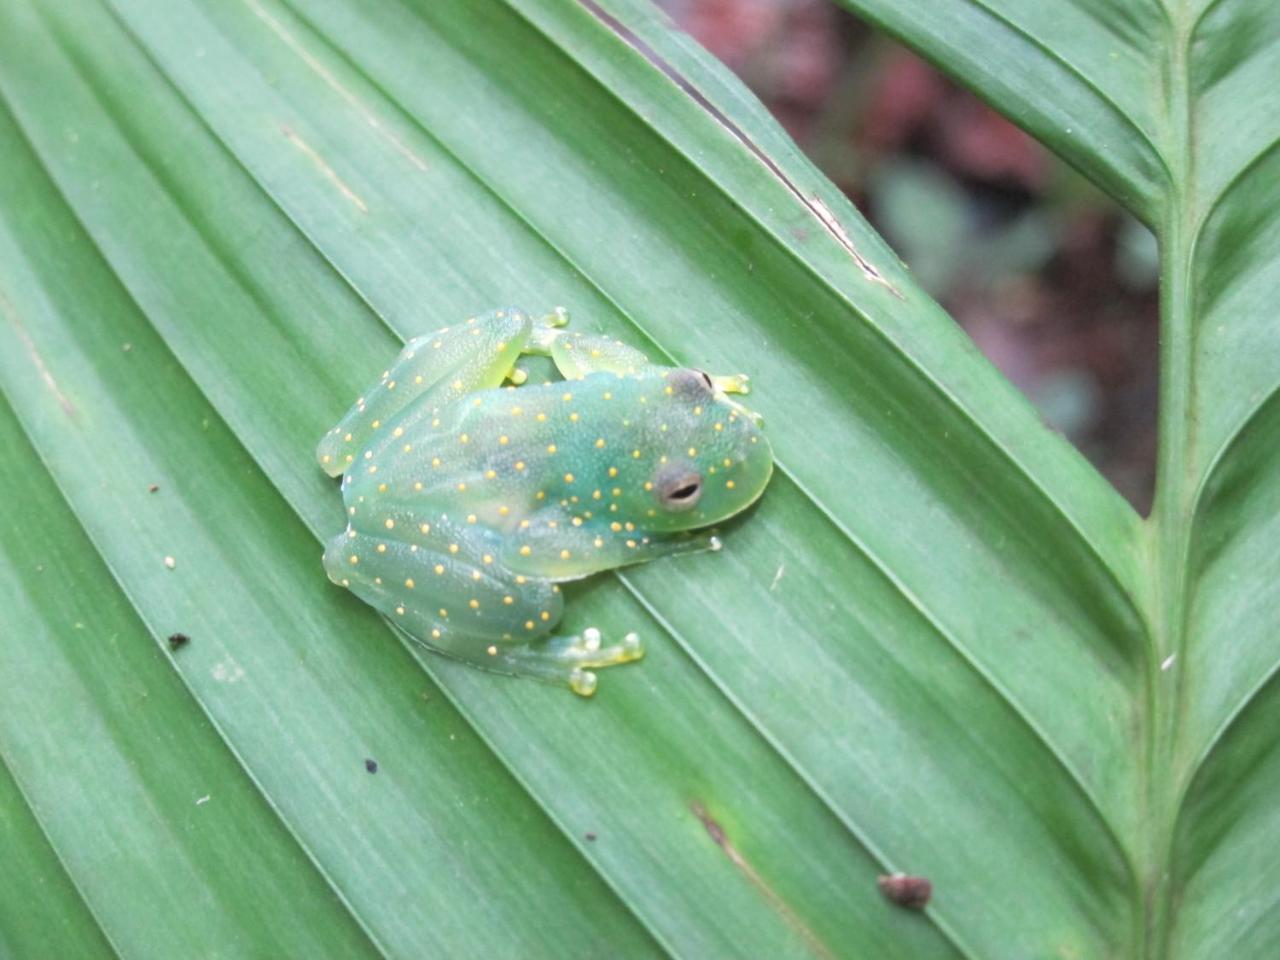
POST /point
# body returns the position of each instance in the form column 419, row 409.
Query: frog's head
column 714, row 460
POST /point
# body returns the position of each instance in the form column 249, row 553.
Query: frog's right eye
column 679, row 491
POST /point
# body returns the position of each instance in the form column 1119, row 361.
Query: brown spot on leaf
column 911, row 893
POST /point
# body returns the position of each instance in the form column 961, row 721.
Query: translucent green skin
column 468, row 502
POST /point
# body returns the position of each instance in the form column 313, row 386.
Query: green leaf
column 935, row 647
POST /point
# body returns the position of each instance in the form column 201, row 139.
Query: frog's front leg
column 577, row 355
column 558, row 545
column 429, row 372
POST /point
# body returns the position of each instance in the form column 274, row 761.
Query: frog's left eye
column 706, row 377
column 679, row 491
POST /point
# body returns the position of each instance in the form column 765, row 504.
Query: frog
column 472, row 493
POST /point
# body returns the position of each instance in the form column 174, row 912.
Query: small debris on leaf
column 177, row 640
column 371, row 765
column 909, row 892
column 170, row 562
column 153, row 488
column 590, row 836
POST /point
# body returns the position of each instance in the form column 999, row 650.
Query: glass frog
column 469, row 502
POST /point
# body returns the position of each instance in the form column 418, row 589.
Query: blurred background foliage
column 1056, row 284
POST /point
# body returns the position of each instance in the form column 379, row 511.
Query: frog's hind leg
column 564, row 660
column 429, row 372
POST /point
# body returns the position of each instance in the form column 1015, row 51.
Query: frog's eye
column 689, row 384
column 679, row 491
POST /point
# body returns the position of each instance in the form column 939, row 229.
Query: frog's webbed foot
column 569, row 660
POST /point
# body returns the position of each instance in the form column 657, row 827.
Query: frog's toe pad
column 583, row 682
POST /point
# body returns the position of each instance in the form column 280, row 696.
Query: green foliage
column 942, row 644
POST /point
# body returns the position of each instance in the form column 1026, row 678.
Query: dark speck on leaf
column 911, row 893
column 153, row 488
column 371, row 765
column 590, row 837
column 177, row 640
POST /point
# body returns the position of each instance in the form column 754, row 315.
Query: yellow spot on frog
column 409, row 583
column 424, row 527
column 525, row 551
column 439, row 568
column 390, row 524
column 382, row 548
column 453, row 548
column 568, row 478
